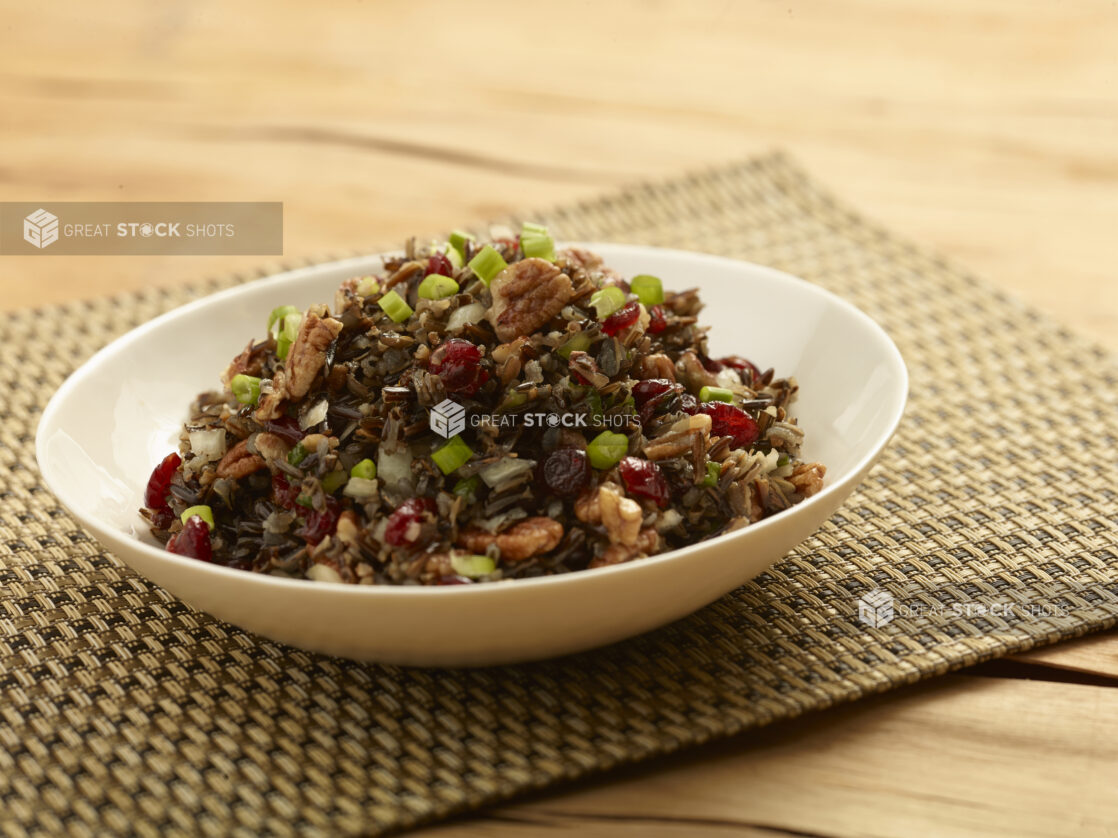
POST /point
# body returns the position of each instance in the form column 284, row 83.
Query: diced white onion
column 394, row 468
column 503, row 470
column 360, row 488
column 464, row 316
column 729, row 378
column 323, row 573
column 208, row 445
column 312, row 416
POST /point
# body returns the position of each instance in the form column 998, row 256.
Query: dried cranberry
column 155, row 495
column 320, row 524
column 439, row 264
column 565, row 472
column 283, row 493
column 193, row 540
column 458, row 364
column 689, row 404
column 650, row 388
column 162, row 519
column 657, row 322
column 621, row 319
column 731, row 421
column 709, row 364
column 415, row 511
column 744, row 366
column 644, row 479
column 511, row 245
column 286, row 427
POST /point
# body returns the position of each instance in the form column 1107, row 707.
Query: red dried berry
column 688, row 404
column 405, row 524
column 644, row 479
column 650, row 388
column 621, row 319
column 283, row 493
column 510, row 245
column 731, row 421
column 193, row 540
column 564, row 472
column 439, row 264
column 744, row 366
column 457, row 362
column 162, row 519
column 709, row 364
column 657, row 321
column 320, row 524
column 159, row 484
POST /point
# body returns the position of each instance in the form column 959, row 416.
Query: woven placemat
column 988, row 527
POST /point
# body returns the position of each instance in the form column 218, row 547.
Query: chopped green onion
column 437, row 286
column 333, row 481
column 578, row 342
column 305, row 501
column 395, row 307
column 782, row 460
column 607, row 300
column 472, row 566
column 277, row 316
column 454, row 454
column 365, row 470
column 246, row 388
column 453, row 256
column 287, row 334
column 367, row 286
column 203, row 512
column 467, row 487
column 606, row 449
column 649, row 289
column 715, row 394
column 714, row 471
column 536, row 242
column 487, row 264
column 297, row 454
column 458, row 241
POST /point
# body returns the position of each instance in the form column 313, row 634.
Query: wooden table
column 987, row 129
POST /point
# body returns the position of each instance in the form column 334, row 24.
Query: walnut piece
column 648, row 542
column 657, row 365
column 526, row 295
column 693, row 374
column 621, row 516
column 239, row 462
column 523, row 540
column 308, row 352
column 807, row 478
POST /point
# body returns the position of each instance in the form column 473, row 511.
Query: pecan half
column 526, row 295
column 621, row 516
column 690, row 371
column 657, row 365
column 271, row 447
column 271, row 403
column 308, row 352
column 525, row 539
column 807, row 478
column 239, row 462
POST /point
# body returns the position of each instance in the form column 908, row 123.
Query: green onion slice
column 367, row 286
column 467, row 486
column 458, row 241
column 246, row 388
column 395, row 307
column 607, row 300
column 453, row 256
column 536, row 242
column 437, row 286
column 606, row 449
column 277, row 316
column 714, row 471
column 365, row 470
column 487, row 264
column 578, row 342
column 203, row 512
column 297, row 454
column 715, row 394
column 648, row 288
column 472, row 566
column 288, row 332
column 453, row 455
column 334, row 481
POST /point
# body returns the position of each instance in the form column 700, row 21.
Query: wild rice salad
column 476, row 412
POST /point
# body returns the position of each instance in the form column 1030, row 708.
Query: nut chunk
column 528, row 538
column 308, row 352
column 526, row 295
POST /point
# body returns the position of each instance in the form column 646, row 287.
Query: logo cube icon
column 448, row 418
column 40, row 228
column 875, row 609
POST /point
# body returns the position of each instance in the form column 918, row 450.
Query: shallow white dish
column 118, row 415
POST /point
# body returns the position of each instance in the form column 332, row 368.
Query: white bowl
column 118, row 415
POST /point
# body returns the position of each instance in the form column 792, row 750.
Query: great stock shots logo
column 448, row 418
column 40, row 228
column 875, row 609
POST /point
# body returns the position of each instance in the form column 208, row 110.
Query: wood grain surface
column 987, row 129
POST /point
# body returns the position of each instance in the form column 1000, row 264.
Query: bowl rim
column 48, row 423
